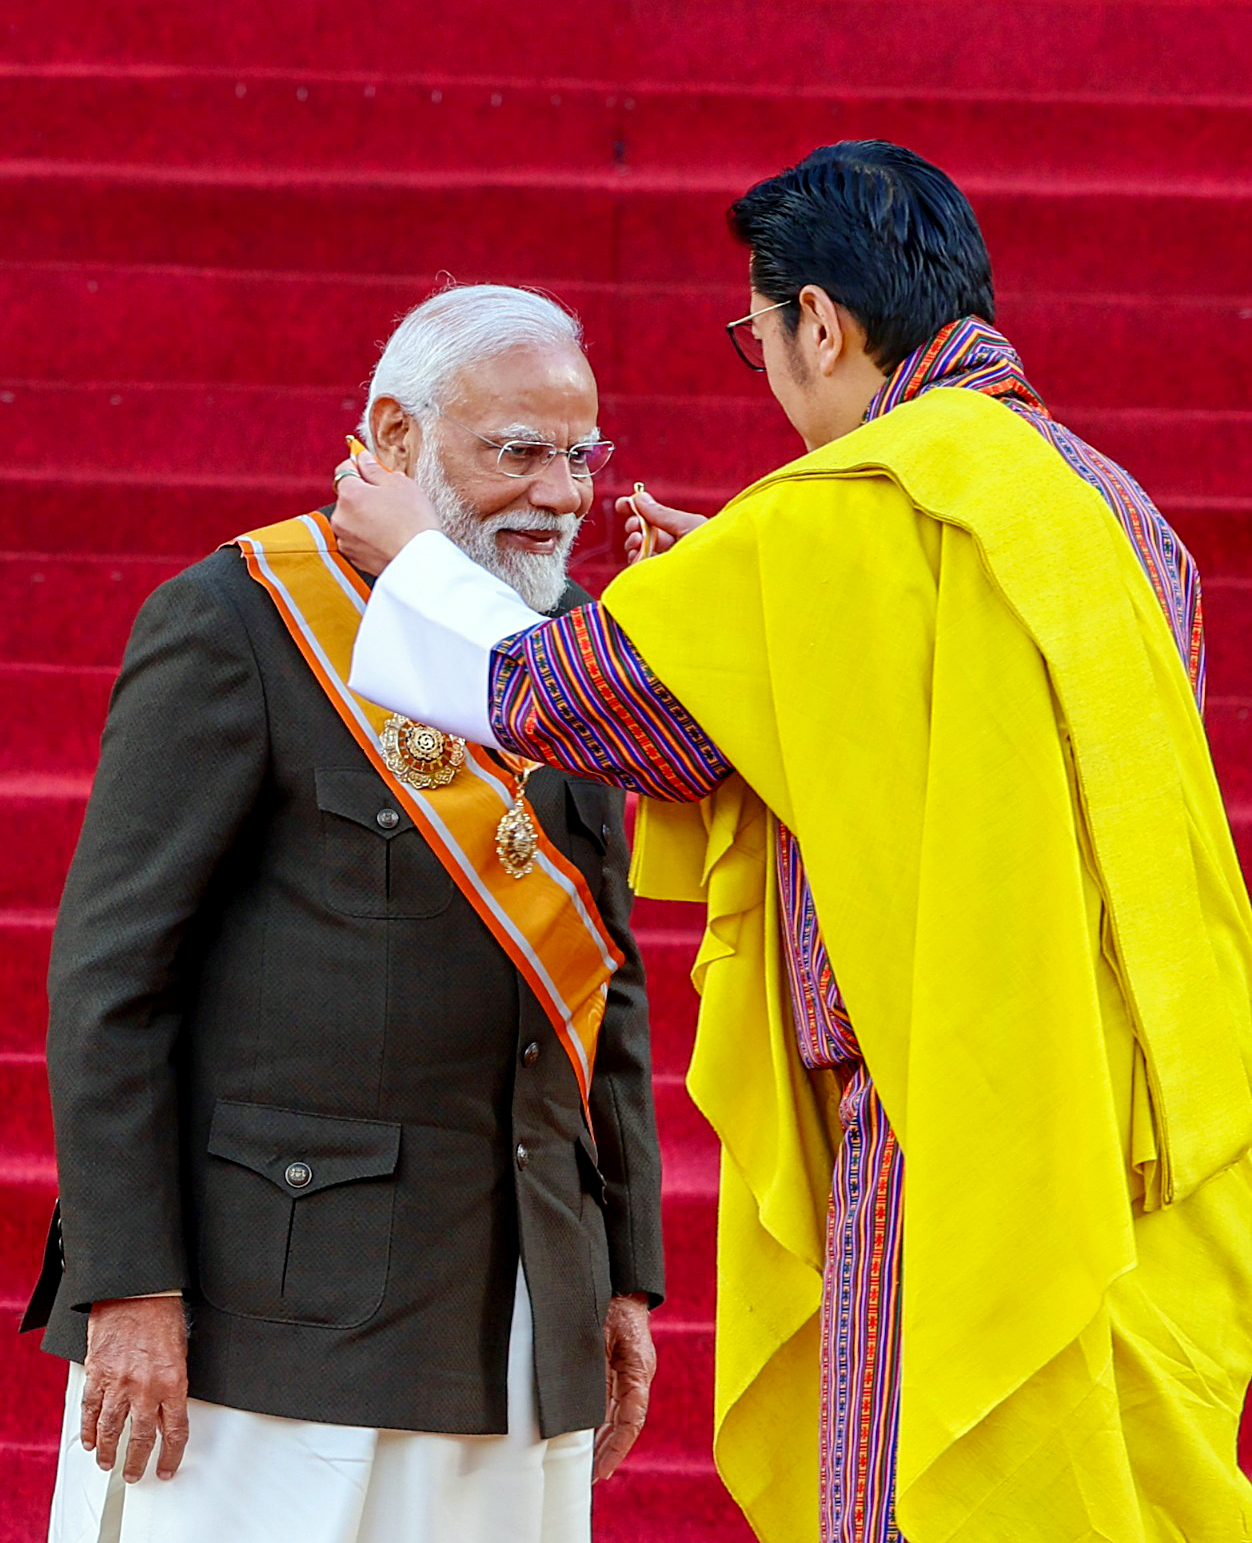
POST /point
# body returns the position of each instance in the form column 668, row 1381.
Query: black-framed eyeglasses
column 529, row 457
column 747, row 345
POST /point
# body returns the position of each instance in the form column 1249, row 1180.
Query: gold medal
column 419, row 755
column 517, row 840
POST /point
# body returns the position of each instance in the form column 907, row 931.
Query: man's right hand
column 136, row 1366
column 670, row 524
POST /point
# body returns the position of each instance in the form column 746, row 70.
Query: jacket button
column 531, row 1054
column 523, row 1156
column 299, row 1175
column 387, row 819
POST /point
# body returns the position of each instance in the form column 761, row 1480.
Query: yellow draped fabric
column 930, row 651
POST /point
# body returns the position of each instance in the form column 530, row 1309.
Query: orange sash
column 547, row 922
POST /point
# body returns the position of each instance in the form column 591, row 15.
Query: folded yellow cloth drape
column 930, row 651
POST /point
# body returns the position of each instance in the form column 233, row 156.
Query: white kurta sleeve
column 425, row 641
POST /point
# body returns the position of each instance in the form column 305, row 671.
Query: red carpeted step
column 27, row 1194
column 52, row 715
column 183, row 517
column 1218, row 533
column 1043, row 236
column 28, row 1491
column 1228, row 618
column 690, row 1218
column 1073, row 137
column 1097, row 352
column 129, row 324
column 75, row 610
column 1012, row 47
column 670, row 1503
column 680, row 1415
column 41, row 817
column 1229, row 724
column 351, row 125
column 472, row 38
column 687, row 1139
column 32, row 1391
column 671, row 997
column 24, row 1095
column 117, row 325
column 25, row 937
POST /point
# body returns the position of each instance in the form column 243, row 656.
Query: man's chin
column 538, row 578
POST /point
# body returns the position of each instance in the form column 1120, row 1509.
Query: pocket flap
column 359, row 794
column 303, row 1153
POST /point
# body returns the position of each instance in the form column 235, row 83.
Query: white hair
column 460, row 326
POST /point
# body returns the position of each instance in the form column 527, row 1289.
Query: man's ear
column 397, row 436
column 826, row 323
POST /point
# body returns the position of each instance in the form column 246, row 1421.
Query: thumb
column 674, row 522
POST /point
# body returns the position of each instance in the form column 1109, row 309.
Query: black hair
column 886, row 234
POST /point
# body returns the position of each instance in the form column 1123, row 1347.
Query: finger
column 602, row 1435
column 371, row 469
column 175, row 1430
column 676, row 522
column 600, row 1466
column 143, row 1432
column 632, row 1400
column 109, row 1427
column 93, row 1398
column 611, row 1452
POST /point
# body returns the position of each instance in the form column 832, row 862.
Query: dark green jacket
column 294, row 1074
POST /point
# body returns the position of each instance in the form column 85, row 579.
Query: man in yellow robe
column 936, row 685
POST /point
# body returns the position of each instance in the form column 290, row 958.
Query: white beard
column 538, row 577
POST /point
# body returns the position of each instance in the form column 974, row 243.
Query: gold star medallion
column 419, row 755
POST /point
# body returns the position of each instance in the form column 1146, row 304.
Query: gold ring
column 342, row 472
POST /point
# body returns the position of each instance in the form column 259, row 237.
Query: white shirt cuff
column 424, row 645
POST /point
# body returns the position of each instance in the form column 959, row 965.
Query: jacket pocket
column 296, row 1214
column 377, row 863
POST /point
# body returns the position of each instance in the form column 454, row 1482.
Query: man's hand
column 670, row 524
column 631, row 1364
column 378, row 512
column 136, row 1366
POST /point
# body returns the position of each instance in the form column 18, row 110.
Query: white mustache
column 532, row 519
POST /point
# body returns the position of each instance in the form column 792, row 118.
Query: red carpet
column 212, row 214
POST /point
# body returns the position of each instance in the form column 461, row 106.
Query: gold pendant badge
column 517, row 840
column 419, row 755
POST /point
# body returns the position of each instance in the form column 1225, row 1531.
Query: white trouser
column 249, row 1477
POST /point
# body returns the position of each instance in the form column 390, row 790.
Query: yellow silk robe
column 929, row 650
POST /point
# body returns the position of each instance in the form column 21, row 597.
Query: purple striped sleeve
column 574, row 693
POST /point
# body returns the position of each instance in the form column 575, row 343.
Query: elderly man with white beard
column 506, row 452
column 348, row 1049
